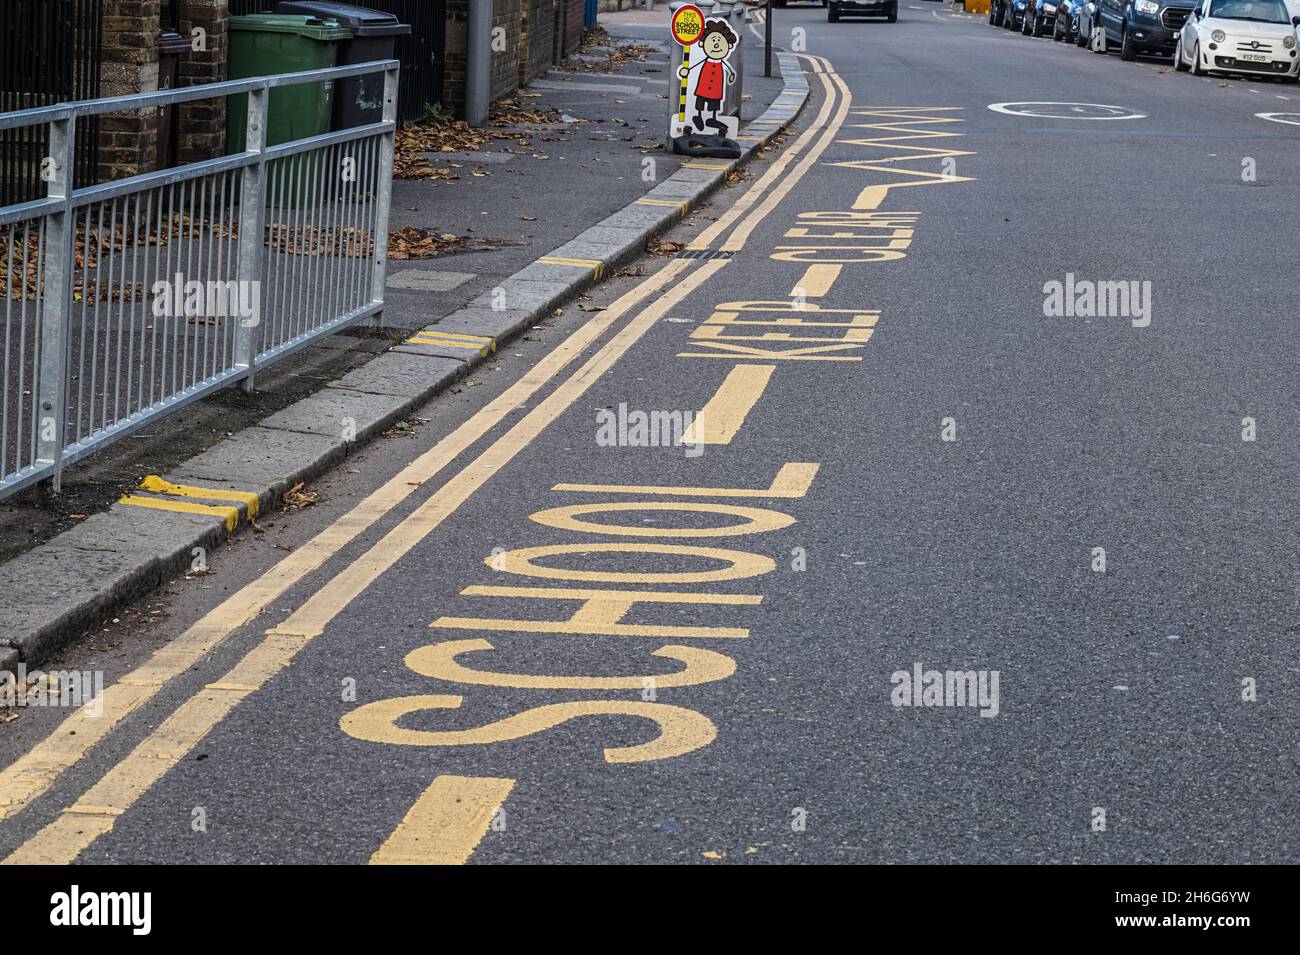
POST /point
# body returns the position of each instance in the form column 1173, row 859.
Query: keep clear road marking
column 721, row 419
column 30, row 776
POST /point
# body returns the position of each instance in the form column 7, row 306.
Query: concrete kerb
column 74, row 582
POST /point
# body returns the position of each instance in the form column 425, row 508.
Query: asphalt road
column 1119, row 731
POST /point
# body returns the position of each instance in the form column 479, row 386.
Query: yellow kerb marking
column 696, row 164
column 721, row 419
column 230, row 514
column 670, row 203
column 158, row 486
column 484, row 346
column 454, row 336
column 446, row 823
column 597, row 267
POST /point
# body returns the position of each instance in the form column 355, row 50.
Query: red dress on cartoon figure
column 709, row 85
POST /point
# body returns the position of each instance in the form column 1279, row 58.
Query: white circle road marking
column 1066, row 111
column 1292, row 119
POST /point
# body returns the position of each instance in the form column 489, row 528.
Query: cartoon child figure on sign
column 712, row 75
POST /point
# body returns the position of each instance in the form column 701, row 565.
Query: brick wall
column 506, row 18
column 128, row 141
column 537, row 43
column 201, row 126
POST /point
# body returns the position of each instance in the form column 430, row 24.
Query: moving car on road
column 862, row 8
column 1144, row 26
column 1256, row 37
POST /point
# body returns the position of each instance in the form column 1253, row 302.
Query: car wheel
column 1179, row 64
column 893, row 14
column 1127, row 51
column 1098, row 41
column 1056, row 31
column 1195, row 68
column 993, row 12
column 832, row 14
column 1024, row 23
column 1080, row 38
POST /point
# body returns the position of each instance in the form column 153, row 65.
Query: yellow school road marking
column 775, row 171
column 596, row 266
column 34, row 772
column 438, row 661
column 792, row 481
column 602, row 611
column 681, row 730
column 446, row 822
column 226, row 512
column 158, row 486
column 194, row 719
column 817, row 281
column 721, row 419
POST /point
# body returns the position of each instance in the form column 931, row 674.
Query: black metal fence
column 49, row 53
column 421, row 52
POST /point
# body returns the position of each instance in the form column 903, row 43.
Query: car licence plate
column 1254, row 57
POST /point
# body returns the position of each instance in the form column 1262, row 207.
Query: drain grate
column 702, row 254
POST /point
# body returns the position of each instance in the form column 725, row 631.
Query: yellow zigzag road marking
column 903, row 121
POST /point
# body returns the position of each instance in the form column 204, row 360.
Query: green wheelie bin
column 265, row 44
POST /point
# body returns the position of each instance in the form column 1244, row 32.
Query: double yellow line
column 453, row 836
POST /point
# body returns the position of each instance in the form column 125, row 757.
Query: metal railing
column 128, row 300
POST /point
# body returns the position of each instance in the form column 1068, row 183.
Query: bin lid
column 169, row 41
column 313, row 27
column 361, row 20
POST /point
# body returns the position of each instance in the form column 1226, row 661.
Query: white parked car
column 1257, row 37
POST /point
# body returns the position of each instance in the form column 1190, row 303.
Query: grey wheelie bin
column 358, row 100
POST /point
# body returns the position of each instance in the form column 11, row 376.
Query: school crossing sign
column 687, row 24
column 705, row 74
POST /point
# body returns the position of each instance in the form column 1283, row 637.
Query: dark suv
column 1144, row 26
